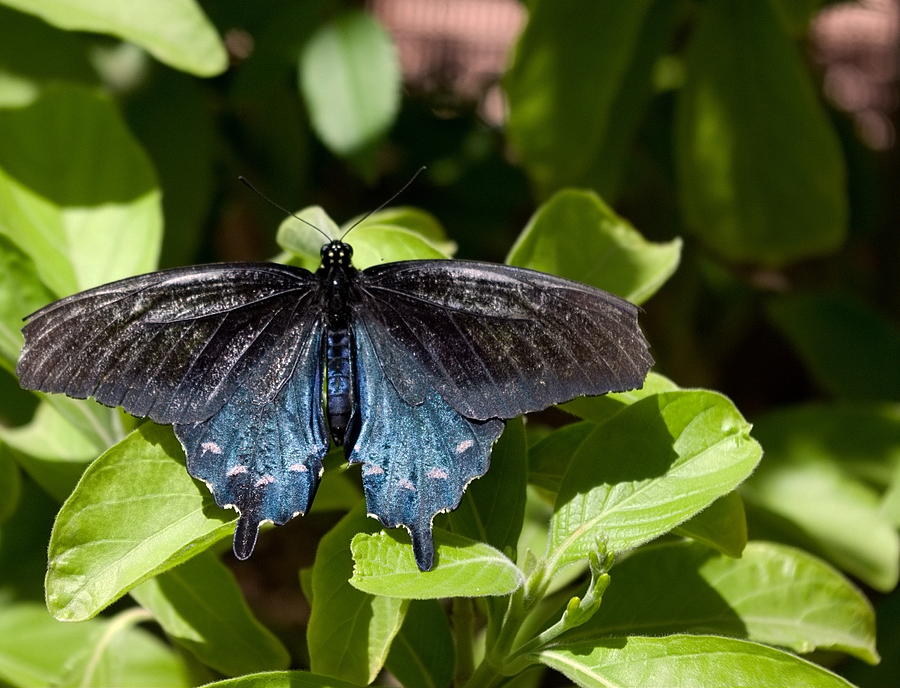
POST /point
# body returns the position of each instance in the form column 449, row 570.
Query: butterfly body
column 412, row 366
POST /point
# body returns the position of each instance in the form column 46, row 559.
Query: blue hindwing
column 264, row 457
column 416, row 459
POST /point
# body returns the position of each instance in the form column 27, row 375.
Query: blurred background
column 764, row 134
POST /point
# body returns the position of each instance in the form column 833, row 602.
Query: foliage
column 608, row 545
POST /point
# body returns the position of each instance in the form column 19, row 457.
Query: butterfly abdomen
column 338, row 381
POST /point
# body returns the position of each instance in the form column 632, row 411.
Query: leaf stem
column 463, row 638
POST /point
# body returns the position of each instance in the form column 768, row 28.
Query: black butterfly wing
column 228, row 353
column 173, row 345
column 497, row 341
column 416, row 458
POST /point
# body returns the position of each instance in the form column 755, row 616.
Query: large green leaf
column 51, row 450
column 422, row 654
column 373, row 243
column 384, row 565
column 174, row 31
column 819, row 507
column 576, row 235
column 684, row 661
column 407, row 217
column 200, row 606
column 850, row 349
column 76, row 192
column 135, row 513
column 493, row 507
column 350, row 79
column 350, row 631
column 36, row 651
column 757, row 183
column 772, row 594
column 815, row 487
column 648, row 469
column 569, row 67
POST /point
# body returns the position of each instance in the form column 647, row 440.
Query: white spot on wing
column 211, row 447
column 298, row 468
column 439, row 473
column 371, row 469
column 462, row 446
column 265, row 480
column 406, row 485
column 237, row 470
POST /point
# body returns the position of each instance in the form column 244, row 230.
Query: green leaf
column 350, row 79
column 21, row 293
column 77, row 194
column 863, row 439
column 722, row 525
column 51, row 450
column 373, row 244
column 549, row 459
column 283, row 679
column 414, row 219
column 173, row 118
column 422, row 654
column 814, row 489
column 11, row 480
column 174, row 31
column 36, row 651
column 754, row 186
column 349, row 632
column 602, row 408
column 135, row 513
column 376, row 244
column 648, row 469
column 682, row 661
column 384, row 565
column 556, row 123
column 62, row 57
column 124, row 656
column 773, row 594
column 614, row 155
column 493, row 507
column 850, row 349
column 577, row 236
column 200, row 606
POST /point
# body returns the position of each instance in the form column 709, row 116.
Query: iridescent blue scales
column 412, row 366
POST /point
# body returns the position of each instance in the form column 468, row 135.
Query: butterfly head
column 336, row 254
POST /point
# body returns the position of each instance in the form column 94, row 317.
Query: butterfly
column 412, row 366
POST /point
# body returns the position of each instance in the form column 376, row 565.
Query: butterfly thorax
column 337, row 275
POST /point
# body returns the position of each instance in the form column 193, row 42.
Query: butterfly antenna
column 387, row 202
column 243, row 180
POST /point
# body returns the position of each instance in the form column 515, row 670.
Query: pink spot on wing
column 298, row 468
column 462, row 446
column 237, row 470
column 265, row 480
column 437, row 473
column 371, row 469
column 211, row 447
column 406, row 485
